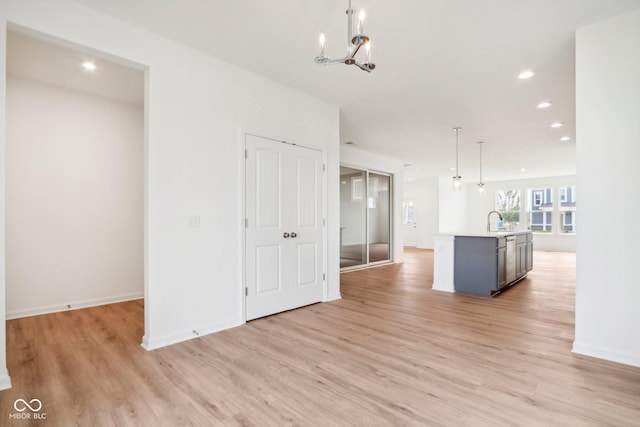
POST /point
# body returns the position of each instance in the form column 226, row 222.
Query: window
column 546, row 210
column 540, row 210
column 508, row 204
column 537, row 198
column 563, row 194
column 407, row 213
column 568, row 209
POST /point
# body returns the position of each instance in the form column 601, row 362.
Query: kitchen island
column 482, row 264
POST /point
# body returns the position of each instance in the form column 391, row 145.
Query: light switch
column 193, row 221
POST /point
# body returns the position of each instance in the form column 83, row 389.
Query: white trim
column 243, row 226
column 333, row 297
column 73, row 305
column 606, row 354
column 325, row 226
column 5, row 381
column 198, row 331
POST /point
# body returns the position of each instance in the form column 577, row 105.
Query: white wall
column 353, row 157
column 74, row 170
column 197, row 108
column 5, row 381
column 608, row 138
column 452, row 207
column 426, row 193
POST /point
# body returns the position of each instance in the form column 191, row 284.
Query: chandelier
column 354, row 43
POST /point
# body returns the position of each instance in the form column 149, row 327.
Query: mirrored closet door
column 365, row 217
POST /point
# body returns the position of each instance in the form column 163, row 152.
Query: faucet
column 488, row 219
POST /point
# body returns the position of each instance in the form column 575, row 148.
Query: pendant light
column 481, row 184
column 457, row 180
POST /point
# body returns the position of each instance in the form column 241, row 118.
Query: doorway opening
column 365, row 217
column 75, row 168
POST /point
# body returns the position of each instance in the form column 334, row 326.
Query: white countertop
column 494, row 234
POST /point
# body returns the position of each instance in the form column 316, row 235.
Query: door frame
column 414, row 201
column 242, row 150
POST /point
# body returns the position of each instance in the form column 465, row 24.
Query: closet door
column 284, row 241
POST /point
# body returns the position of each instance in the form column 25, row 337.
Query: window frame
column 508, row 213
column 563, row 190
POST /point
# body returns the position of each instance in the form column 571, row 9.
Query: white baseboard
column 606, row 354
column 444, row 287
column 16, row 314
column 5, row 380
column 155, row 343
column 333, row 297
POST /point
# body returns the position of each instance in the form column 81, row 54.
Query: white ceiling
column 60, row 64
column 440, row 64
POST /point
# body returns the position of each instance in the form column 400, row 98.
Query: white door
column 410, row 234
column 284, row 226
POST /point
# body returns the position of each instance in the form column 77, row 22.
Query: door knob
column 294, row 235
column 285, row 235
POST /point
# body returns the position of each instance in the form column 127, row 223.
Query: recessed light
column 452, row 169
column 523, row 170
column 544, row 104
column 409, row 179
column 565, row 138
column 88, row 65
column 557, row 125
column 344, row 182
column 526, row 75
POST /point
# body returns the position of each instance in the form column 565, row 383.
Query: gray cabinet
column 502, row 262
column 521, row 255
column 529, row 262
column 475, row 267
column 483, row 265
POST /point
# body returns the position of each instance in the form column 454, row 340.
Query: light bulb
column 361, row 17
column 457, row 181
column 89, row 65
column 526, row 75
column 367, row 50
column 481, row 188
column 322, row 39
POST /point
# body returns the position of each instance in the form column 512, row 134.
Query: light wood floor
column 391, row 352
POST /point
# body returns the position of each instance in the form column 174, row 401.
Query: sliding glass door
column 365, row 217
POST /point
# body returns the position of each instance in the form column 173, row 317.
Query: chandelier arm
column 358, row 46
column 365, row 67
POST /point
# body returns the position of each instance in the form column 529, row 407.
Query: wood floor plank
column 391, row 352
